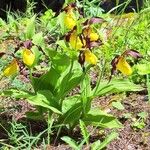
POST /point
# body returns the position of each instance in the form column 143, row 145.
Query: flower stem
column 99, row 79
column 148, row 86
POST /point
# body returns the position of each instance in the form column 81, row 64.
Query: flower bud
column 11, row 69
column 75, row 41
column 70, row 20
column 123, row 66
column 90, row 57
column 28, row 57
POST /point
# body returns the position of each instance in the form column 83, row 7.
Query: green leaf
column 34, row 115
column 47, row 81
column 72, row 116
column 42, row 98
column 61, row 22
column 99, row 118
column 124, row 85
column 100, row 145
column 2, row 23
column 84, row 132
column 37, row 54
column 62, row 44
column 103, row 89
column 70, row 142
column 30, row 29
column 115, row 86
column 60, row 61
column 69, row 102
column 139, row 124
column 69, row 79
column 16, row 93
column 108, row 139
column 143, row 115
column 127, row 115
column 96, row 145
column 86, row 86
column 38, row 40
column 118, row 105
column 143, row 69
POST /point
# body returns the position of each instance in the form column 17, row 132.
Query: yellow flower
column 88, row 32
column 70, row 20
column 94, row 36
column 90, row 57
column 123, row 66
column 11, row 69
column 28, row 57
column 75, row 41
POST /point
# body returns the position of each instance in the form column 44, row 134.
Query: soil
column 130, row 138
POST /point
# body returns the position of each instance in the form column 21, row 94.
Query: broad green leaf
column 72, row 116
column 42, row 98
column 99, row 118
column 60, row 62
column 16, row 93
column 103, row 89
column 49, row 14
column 115, row 86
column 69, row 79
column 50, row 98
column 86, row 95
column 70, row 142
column 118, row 105
column 69, row 102
column 30, row 29
column 124, row 85
column 47, row 81
column 61, row 22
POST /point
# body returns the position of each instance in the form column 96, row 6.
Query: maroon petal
column 28, row 44
column 1, row 54
column 81, row 59
column 94, row 20
column 72, row 5
column 113, row 64
column 133, row 53
column 67, row 37
column 96, row 43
